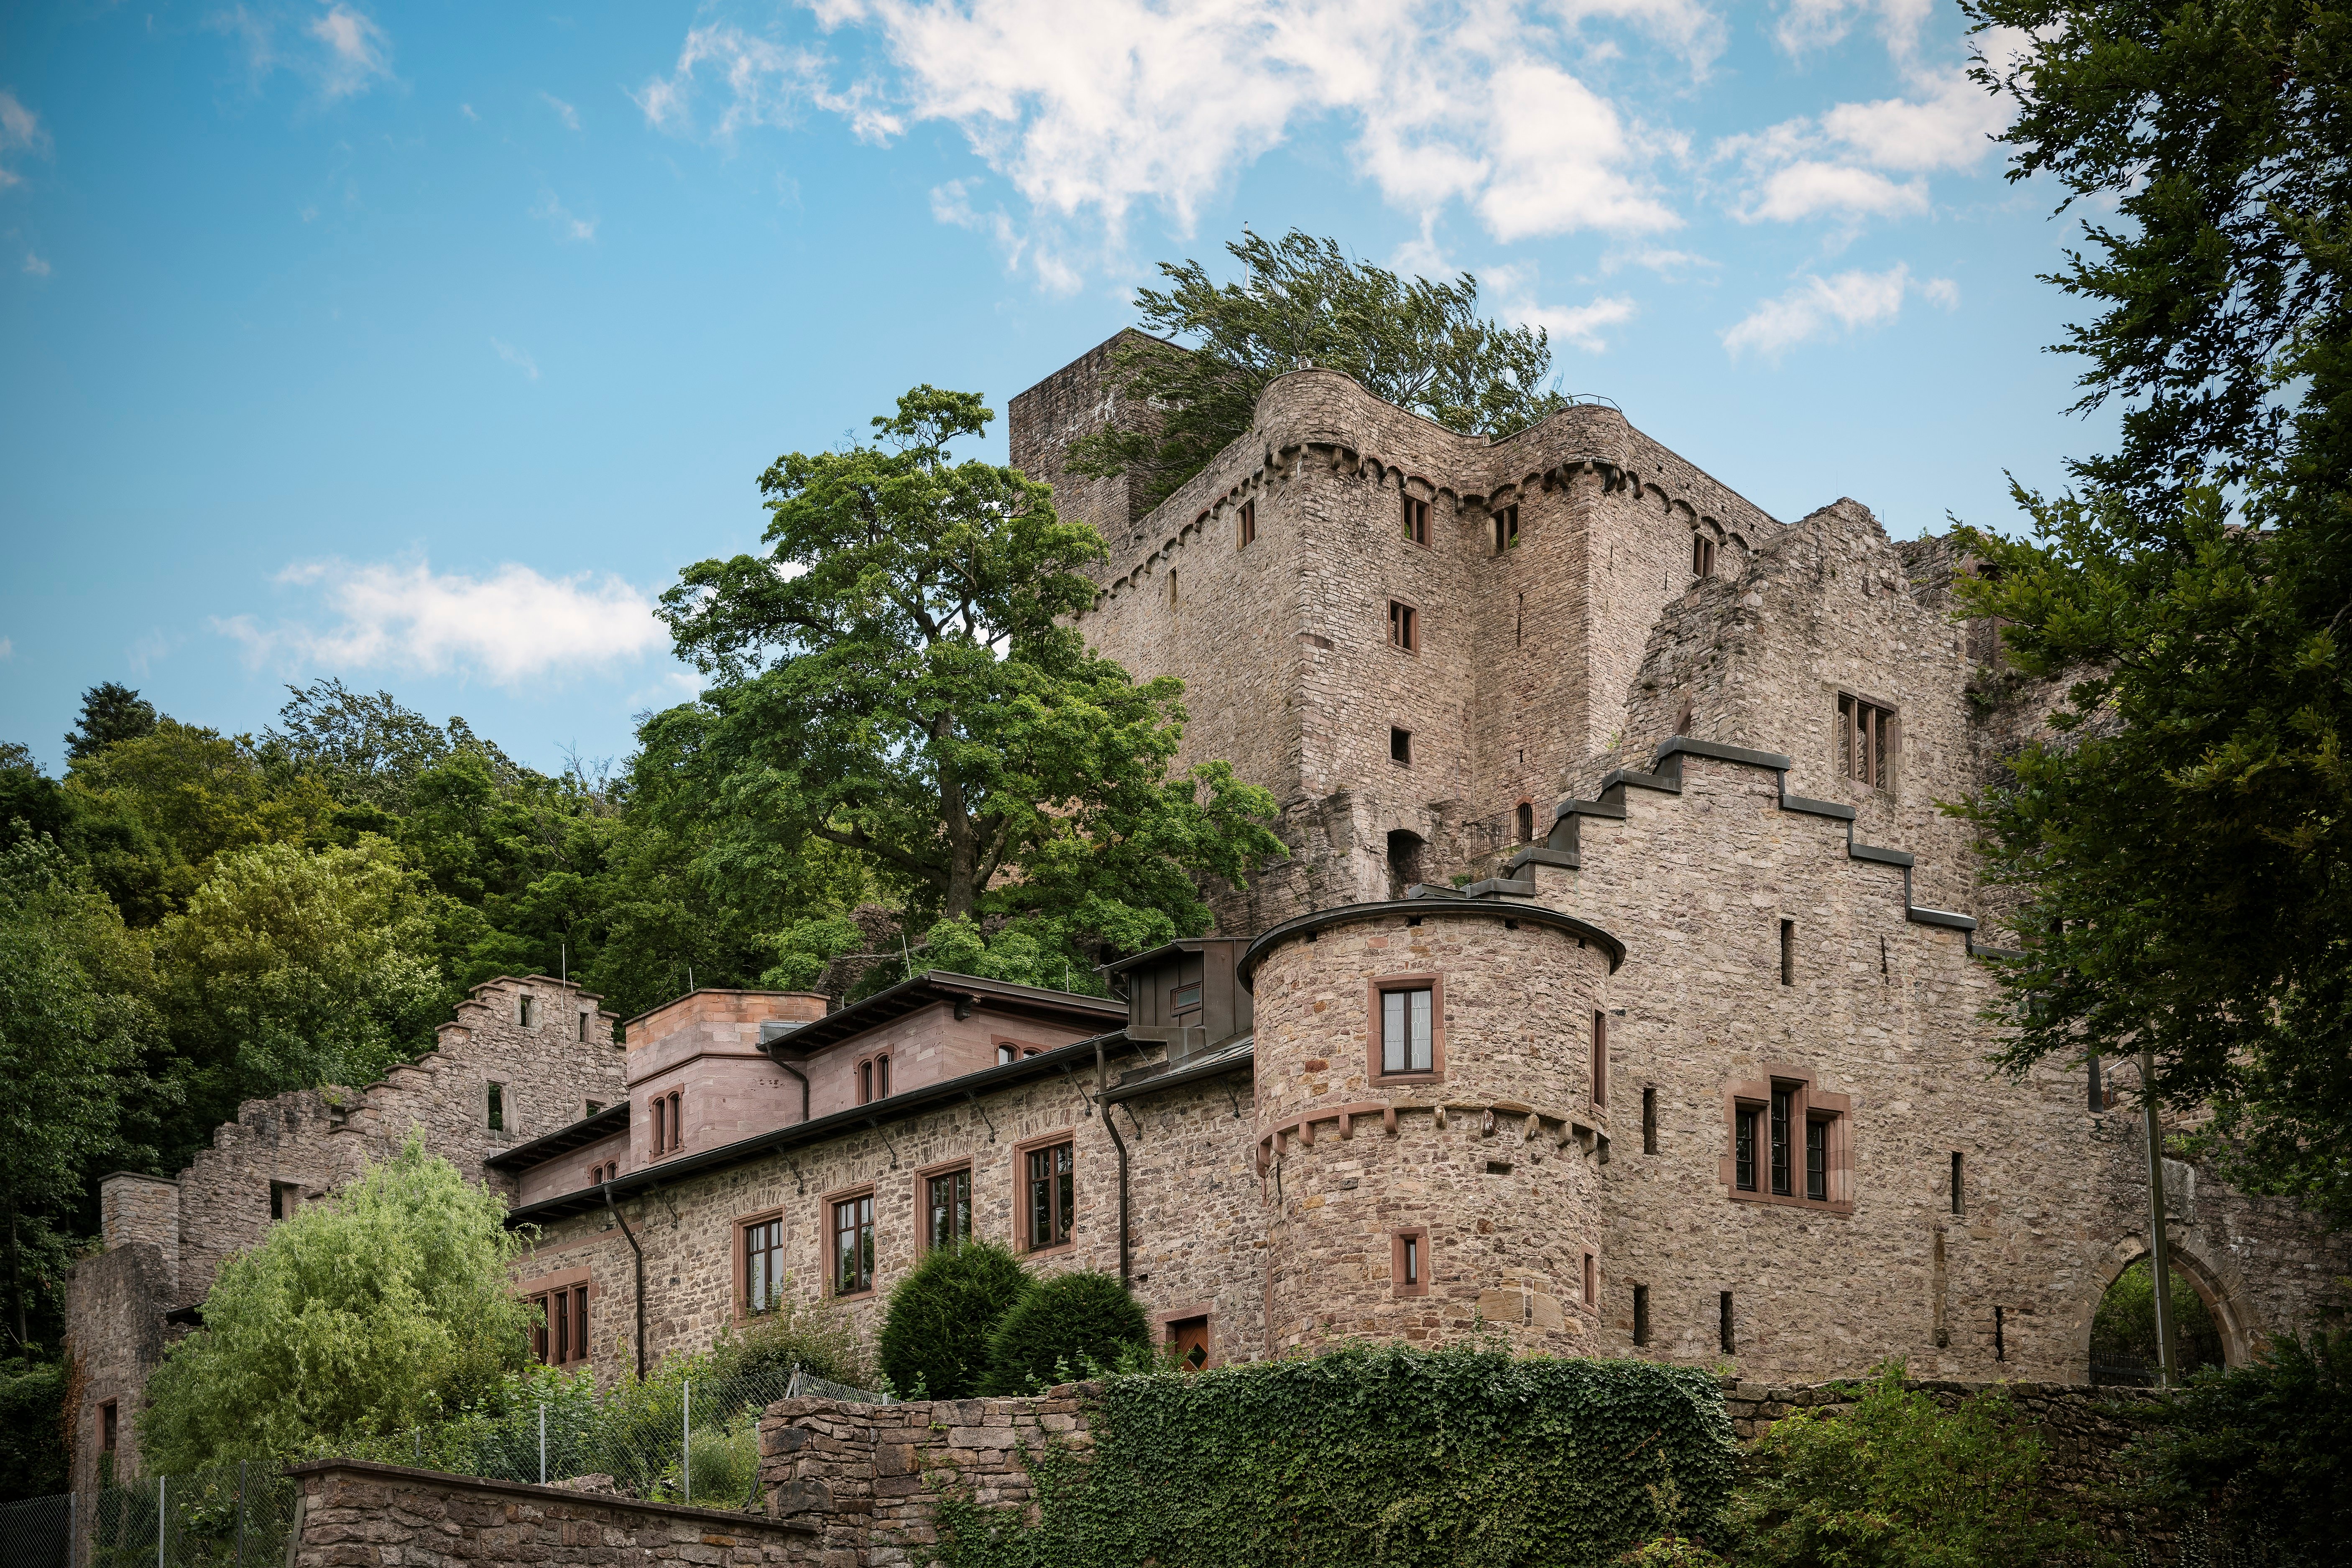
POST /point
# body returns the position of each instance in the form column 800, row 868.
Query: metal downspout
column 631, row 1237
column 1110, row 1125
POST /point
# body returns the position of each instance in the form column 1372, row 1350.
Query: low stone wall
column 359, row 1515
column 863, row 1479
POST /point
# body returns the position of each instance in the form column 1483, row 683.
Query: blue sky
column 422, row 344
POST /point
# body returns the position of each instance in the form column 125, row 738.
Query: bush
column 387, row 1306
column 31, row 1430
column 1065, row 1325
column 794, row 1334
column 2262, row 1446
column 934, row 1341
column 1900, row 1480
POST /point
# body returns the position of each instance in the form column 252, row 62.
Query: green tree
column 109, row 713
column 33, row 1458
column 894, row 677
column 76, row 1020
column 935, row 1335
column 2179, row 848
column 1900, row 1481
column 291, row 969
column 381, row 1308
column 1302, row 303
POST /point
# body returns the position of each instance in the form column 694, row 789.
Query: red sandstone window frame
column 1599, row 1060
column 1017, row 1048
column 742, row 1252
column 1416, row 520
column 1409, row 1267
column 563, row 1325
column 1808, row 1105
column 1867, row 740
column 940, row 1172
column 1245, row 526
column 1024, row 1238
column 1378, row 988
column 1404, row 626
column 828, row 1216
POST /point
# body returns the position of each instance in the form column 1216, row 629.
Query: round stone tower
column 1432, row 1117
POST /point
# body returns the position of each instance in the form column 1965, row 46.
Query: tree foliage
column 2180, row 845
column 1898, row 1480
column 935, row 1336
column 1303, row 303
column 382, row 1306
column 1060, row 1328
column 895, row 677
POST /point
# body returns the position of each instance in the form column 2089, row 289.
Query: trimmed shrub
column 1063, row 1326
column 934, row 1341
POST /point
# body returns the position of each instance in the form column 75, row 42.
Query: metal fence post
column 543, row 1443
column 686, row 1444
column 160, row 1517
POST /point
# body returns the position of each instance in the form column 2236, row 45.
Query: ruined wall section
column 1045, row 421
column 115, row 1337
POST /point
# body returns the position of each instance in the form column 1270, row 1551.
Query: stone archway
column 2233, row 1330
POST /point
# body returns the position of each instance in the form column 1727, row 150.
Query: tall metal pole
column 542, row 1444
column 2160, row 1263
column 163, row 1519
column 685, row 1442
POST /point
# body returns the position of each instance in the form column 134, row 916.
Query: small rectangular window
column 2101, row 1098
column 1788, row 952
column 1408, row 1263
column 1701, row 556
column 1599, row 1060
column 1641, row 1314
column 865, row 1083
column 1591, row 1280
column 1171, row 585
column 1248, row 535
column 948, row 1199
column 584, row 1025
column 1182, row 999
column 1744, row 1147
column 1401, row 746
column 1507, row 530
column 1649, row 1121
column 107, row 1429
column 881, row 1078
column 1404, row 627
column 1957, row 1205
column 1052, row 1195
column 659, row 1120
column 1783, row 1101
column 2000, row 1334
column 1817, row 1160
column 763, row 1266
column 1865, row 741
column 1406, row 1031
column 595, row 1106
column 527, row 1010
column 498, row 1107
column 1416, row 520
column 1723, row 1323
column 1007, row 1054
column 676, row 1120
column 853, row 1245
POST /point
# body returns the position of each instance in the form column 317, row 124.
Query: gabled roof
column 612, row 1119
column 934, row 987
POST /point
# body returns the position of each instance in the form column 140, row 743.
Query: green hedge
column 1386, row 1456
column 934, row 1341
column 1065, row 1326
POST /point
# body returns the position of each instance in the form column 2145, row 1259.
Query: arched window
column 1527, row 822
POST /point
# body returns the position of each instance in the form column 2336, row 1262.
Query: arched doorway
column 1404, row 861
column 2123, row 1326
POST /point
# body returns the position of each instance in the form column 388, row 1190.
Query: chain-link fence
column 230, row 1516
column 694, row 1440
column 38, row 1532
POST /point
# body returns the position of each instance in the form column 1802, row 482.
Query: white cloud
column 515, row 358
column 1087, row 113
column 1819, row 307
column 34, row 266
column 567, row 225
column 564, row 111
column 1809, row 24
column 356, row 50
column 511, row 627
column 7, row 648
column 467, row 111
column 21, row 130
column 1511, row 291
column 1809, row 188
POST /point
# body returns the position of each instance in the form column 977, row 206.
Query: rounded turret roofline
column 1349, row 914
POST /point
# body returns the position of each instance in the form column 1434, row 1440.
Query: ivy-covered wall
column 1387, row 1456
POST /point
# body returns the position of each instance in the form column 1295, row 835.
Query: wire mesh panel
column 229, row 1515
column 37, row 1533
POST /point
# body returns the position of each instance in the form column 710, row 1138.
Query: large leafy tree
column 1302, row 302
column 2181, row 845
column 384, row 1307
column 895, row 676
